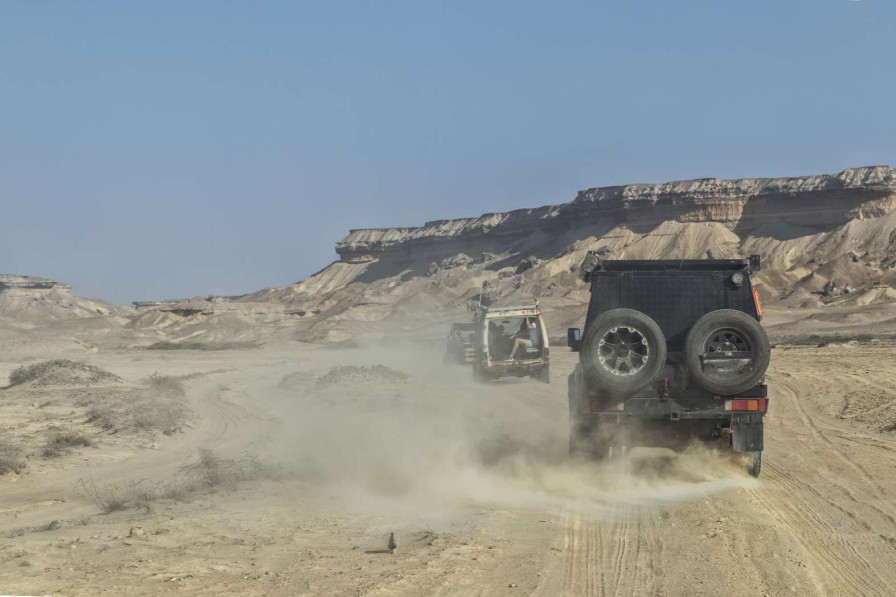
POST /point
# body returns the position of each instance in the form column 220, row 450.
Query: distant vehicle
column 672, row 350
column 461, row 344
column 511, row 342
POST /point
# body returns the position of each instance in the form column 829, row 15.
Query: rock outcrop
column 8, row 281
column 34, row 299
column 816, row 203
column 818, row 237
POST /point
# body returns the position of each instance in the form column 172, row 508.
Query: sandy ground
column 474, row 480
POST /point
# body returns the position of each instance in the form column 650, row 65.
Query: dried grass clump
column 61, row 372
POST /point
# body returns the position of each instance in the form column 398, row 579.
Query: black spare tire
column 622, row 351
column 727, row 352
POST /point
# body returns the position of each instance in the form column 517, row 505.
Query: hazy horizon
column 165, row 151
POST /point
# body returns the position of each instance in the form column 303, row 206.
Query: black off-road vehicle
column 461, row 344
column 672, row 351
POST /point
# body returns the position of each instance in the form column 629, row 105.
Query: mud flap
column 746, row 433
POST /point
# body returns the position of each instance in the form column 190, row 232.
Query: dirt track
column 475, row 481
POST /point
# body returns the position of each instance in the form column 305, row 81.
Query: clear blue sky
column 167, row 149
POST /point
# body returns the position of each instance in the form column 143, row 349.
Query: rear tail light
column 756, row 405
column 758, row 302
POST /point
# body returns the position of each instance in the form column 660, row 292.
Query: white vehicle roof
column 514, row 311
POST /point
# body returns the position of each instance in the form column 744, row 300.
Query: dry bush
column 209, row 472
column 61, row 372
column 167, row 416
column 822, row 340
column 165, row 384
column 11, row 460
column 157, row 407
column 212, row 470
column 59, row 442
column 354, row 374
column 111, row 497
column 213, row 346
column 103, row 416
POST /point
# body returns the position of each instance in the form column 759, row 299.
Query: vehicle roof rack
column 512, row 307
column 752, row 264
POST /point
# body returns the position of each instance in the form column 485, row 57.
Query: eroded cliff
column 816, row 203
column 825, row 241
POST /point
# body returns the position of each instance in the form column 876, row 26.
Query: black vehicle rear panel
column 675, row 299
column 675, row 294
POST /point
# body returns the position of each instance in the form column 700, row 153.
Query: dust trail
column 436, row 443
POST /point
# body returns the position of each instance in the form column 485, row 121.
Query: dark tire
column 544, row 374
column 479, row 375
column 576, row 441
column 622, row 351
column 585, row 441
column 727, row 352
column 755, row 463
column 582, row 439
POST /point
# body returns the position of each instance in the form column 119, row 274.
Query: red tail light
column 756, row 405
column 757, row 300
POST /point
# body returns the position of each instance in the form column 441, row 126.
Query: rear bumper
column 519, row 368
column 661, row 410
column 516, row 363
column 744, row 430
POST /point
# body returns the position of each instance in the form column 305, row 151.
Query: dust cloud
column 436, row 444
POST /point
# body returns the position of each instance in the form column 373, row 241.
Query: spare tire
column 727, row 352
column 622, row 351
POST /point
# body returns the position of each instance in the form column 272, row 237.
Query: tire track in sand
column 608, row 557
column 840, row 560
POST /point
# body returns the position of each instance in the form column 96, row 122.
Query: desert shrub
column 822, row 340
column 212, row 470
column 167, row 345
column 11, row 460
column 103, row 417
column 61, row 372
column 354, row 374
column 165, row 384
column 111, row 497
column 58, row 442
column 167, row 416
column 53, row 525
column 157, row 407
column 208, row 472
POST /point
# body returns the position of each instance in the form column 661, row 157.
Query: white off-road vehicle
column 511, row 342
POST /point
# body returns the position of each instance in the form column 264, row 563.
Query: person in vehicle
column 495, row 332
column 528, row 336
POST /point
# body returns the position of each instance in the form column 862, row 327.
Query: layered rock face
column 9, row 281
column 813, row 233
column 824, row 241
column 815, row 203
column 34, row 299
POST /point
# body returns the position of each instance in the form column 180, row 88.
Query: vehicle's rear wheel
column 479, row 375
column 585, row 441
column 576, row 441
column 544, row 374
column 754, row 464
column 622, row 351
column 727, row 352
